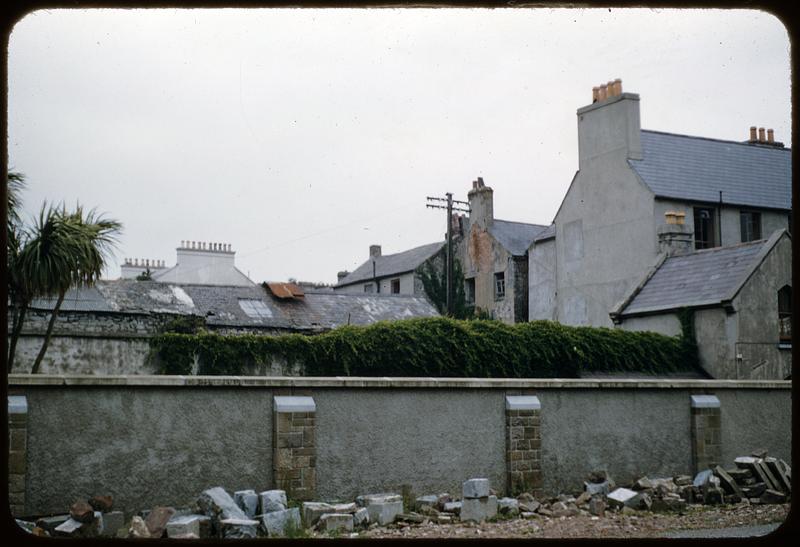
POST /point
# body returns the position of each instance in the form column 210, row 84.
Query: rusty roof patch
column 286, row 290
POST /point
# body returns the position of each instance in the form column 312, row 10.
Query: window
column 255, row 309
column 469, row 290
column 785, row 313
column 499, row 285
column 750, row 223
column 704, row 228
column 369, row 287
column 395, row 286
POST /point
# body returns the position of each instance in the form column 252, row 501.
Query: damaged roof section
column 281, row 306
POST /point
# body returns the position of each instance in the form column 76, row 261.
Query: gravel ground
column 613, row 525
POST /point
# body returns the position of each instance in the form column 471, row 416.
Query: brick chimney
column 481, row 203
column 674, row 236
column 610, row 125
column 374, row 251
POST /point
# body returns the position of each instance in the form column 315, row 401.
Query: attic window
column 255, row 309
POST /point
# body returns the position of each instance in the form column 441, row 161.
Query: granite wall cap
column 17, row 404
column 705, row 401
column 295, row 404
column 523, row 402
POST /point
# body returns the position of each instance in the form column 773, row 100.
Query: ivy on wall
column 439, row 346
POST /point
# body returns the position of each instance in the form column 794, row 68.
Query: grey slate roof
column 393, row 264
column 83, row 299
column 220, row 304
column 516, row 237
column 547, row 233
column 704, row 277
column 696, row 168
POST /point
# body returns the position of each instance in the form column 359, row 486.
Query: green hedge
column 434, row 347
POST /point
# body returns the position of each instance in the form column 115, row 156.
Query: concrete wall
column 162, row 440
column 372, row 440
column 756, row 306
column 542, row 280
column 667, row 323
column 605, row 238
column 144, row 446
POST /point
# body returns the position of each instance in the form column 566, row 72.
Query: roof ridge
column 723, row 248
column 410, row 250
column 743, row 143
column 520, row 222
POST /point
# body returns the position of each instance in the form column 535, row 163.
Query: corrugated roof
column 285, row 290
column 697, row 168
column 700, row 278
column 393, row 264
column 516, row 237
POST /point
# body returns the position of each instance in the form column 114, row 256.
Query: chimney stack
column 761, row 137
column 602, row 93
column 770, row 136
column 595, row 94
column 753, row 133
column 674, row 237
column 374, row 251
column 481, row 203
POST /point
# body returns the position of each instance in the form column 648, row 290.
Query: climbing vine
column 435, row 285
column 439, row 346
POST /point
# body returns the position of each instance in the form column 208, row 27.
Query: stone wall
column 159, row 440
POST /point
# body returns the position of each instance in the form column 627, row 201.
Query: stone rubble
column 756, row 479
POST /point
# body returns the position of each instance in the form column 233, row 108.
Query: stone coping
column 382, row 382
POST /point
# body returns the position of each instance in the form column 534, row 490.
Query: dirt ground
column 612, row 525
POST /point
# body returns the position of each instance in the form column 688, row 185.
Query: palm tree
column 66, row 250
column 16, row 239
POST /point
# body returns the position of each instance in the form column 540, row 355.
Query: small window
column 469, row 290
column 255, row 309
column 369, row 287
column 499, row 285
column 704, row 228
column 785, row 313
column 750, row 223
column 395, row 286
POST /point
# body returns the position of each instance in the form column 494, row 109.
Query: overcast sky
column 302, row 136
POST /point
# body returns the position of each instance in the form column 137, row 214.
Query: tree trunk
column 19, row 319
column 49, row 332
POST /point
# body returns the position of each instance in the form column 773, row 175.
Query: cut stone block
column 771, row 481
column 726, row 481
column 294, row 404
column 641, row 501
column 452, row 507
column 384, row 512
column 313, row 510
column 48, row 524
column 478, row 509
column 508, row 506
column 475, row 488
column 745, row 462
column 705, row 401
column 621, row 497
column 112, row 522
column 427, row 501
column 773, row 496
column 411, row 518
column 702, row 477
column 597, row 506
column 361, row 517
column 237, row 528
column 643, row 484
column 157, row 520
column 594, row 488
column 682, row 480
column 777, row 471
column 138, row 528
column 199, row 525
column 218, row 504
column 344, row 508
column 330, row 522
column 273, row 500
column 247, row 500
column 68, row 528
column 523, row 402
column 279, row 523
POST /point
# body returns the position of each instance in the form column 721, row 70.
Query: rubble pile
column 755, row 479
